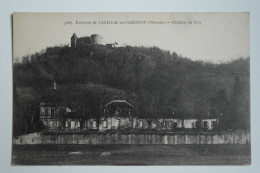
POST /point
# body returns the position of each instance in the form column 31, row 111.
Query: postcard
column 131, row 89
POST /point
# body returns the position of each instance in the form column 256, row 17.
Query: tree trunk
column 182, row 123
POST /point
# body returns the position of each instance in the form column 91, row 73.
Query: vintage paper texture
column 131, row 89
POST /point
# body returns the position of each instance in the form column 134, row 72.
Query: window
column 94, row 124
column 72, row 124
column 140, row 123
column 213, row 123
column 49, row 111
column 194, row 124
column 51, row 124
column 163, row 123
column 46, row 111
column 205, row 124
column 105, row 124
column 121, row 122
column 42, row 111
column 127, row 124
column 52, row 111
column 174, row 124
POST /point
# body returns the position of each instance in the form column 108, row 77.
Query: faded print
column 131, row 88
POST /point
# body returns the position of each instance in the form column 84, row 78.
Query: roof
column 52, row 104
column 74, row 35
column 96, row 35
column 86, row 37
column 119, row 102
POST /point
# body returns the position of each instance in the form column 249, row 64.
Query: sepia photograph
column 131, row 88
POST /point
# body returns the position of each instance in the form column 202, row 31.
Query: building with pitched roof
column 117, row 115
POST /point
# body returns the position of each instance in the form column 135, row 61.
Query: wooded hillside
column 156, row 82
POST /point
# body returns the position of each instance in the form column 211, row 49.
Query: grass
column 131, row 155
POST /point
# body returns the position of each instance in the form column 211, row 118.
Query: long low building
column 117, row 115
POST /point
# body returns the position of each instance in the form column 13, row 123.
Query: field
column 131, row 155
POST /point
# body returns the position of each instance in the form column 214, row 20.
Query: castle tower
column 96, row 39
column 74, row 40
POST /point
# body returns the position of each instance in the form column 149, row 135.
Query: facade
column 94, row 39
column 52, row 116
column 110, row 46
column 192, row 123
column 117, row 115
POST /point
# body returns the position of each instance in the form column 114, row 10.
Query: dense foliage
column 156, row 82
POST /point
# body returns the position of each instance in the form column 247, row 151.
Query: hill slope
column 170, row 82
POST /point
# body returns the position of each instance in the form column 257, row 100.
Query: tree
column 151, row 94
column 97, row 97
column 238, row 110
column 149, row 102
column 26, row 111
column 219, row 102
column 171, row 80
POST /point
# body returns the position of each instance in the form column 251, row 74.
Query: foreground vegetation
column 131, row 155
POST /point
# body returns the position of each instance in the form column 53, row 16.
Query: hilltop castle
column 94, row 39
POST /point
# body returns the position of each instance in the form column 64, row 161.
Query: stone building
column 111, row 45
column 94, row 39
column 117, row 115
column 53, row 115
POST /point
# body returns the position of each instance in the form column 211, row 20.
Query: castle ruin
column 94, row 39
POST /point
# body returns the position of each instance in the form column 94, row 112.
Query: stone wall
column 167, row 138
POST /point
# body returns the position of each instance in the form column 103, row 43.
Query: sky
column 214, row 37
